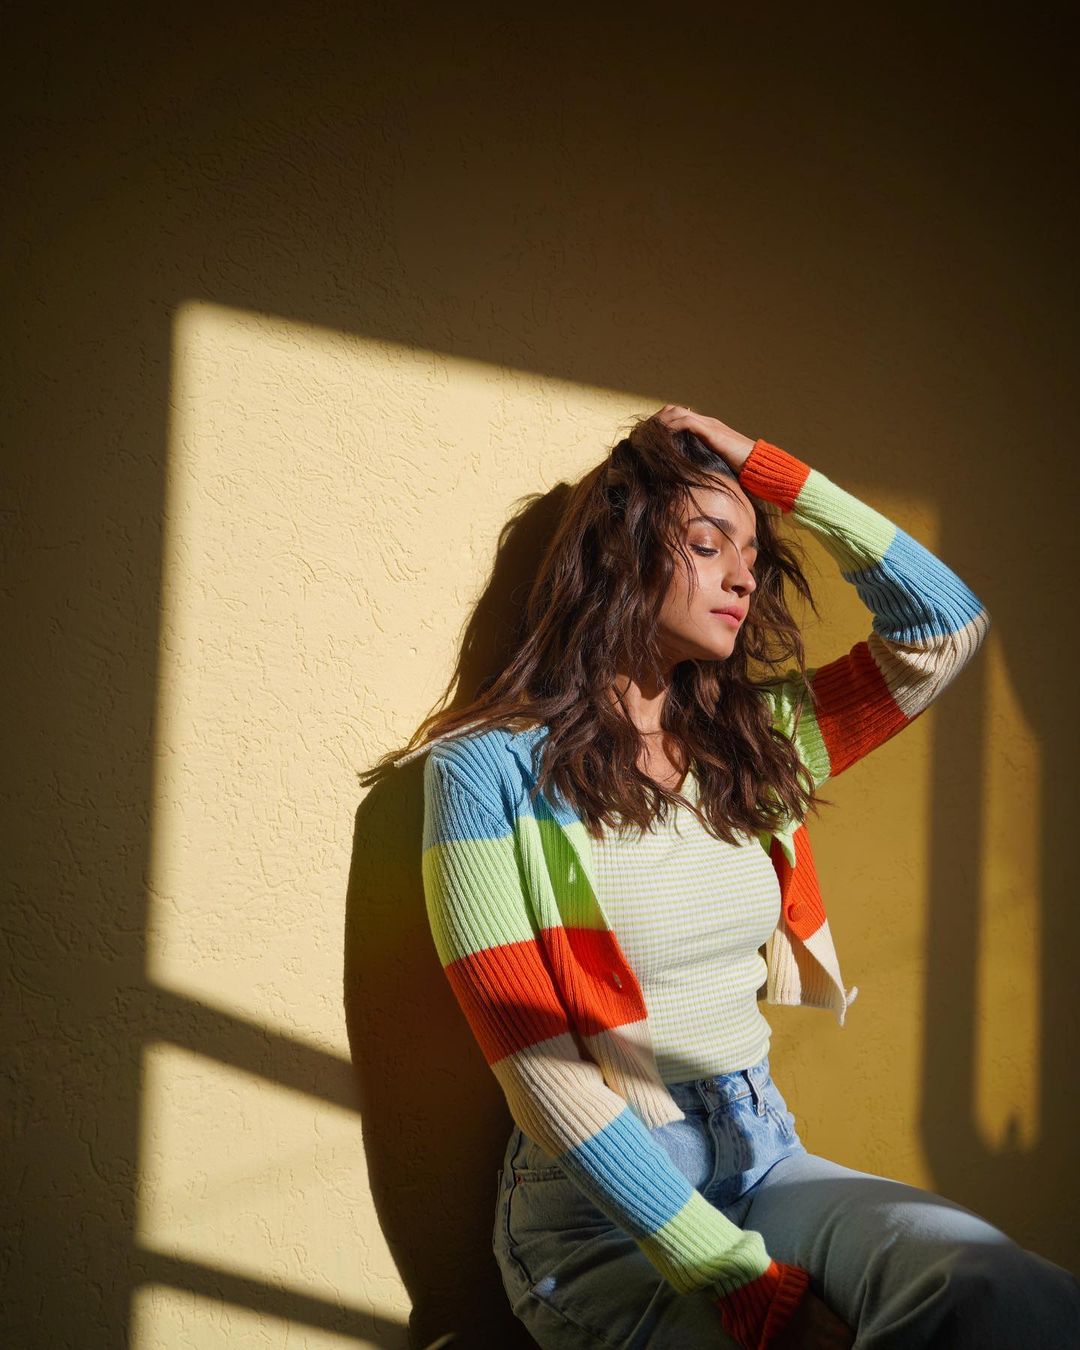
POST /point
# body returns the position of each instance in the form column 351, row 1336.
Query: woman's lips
column 733, row 619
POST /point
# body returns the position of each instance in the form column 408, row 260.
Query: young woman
column 614, row 834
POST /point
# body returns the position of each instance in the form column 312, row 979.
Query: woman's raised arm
column 927, row 624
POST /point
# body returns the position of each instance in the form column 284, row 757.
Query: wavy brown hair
column 592, row 611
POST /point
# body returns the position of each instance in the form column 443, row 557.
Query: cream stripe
column 916, row 674
column 555, row 1095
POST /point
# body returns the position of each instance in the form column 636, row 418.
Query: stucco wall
column 301, row 311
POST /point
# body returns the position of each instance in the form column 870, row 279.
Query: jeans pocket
column 545, row 1203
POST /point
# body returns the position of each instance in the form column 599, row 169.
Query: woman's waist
column 704, row 1094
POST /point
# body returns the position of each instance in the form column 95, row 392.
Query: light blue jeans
column 905, row 1268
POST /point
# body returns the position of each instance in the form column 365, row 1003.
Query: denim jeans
column 903, row 1267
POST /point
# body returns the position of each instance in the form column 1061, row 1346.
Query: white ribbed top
column 690, row 913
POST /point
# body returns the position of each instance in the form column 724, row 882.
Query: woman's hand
column 813, row 1326
column 727, row 442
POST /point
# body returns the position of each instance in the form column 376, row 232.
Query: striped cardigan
column 556, row 1010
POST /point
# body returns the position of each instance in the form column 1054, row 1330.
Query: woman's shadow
column 434, row 1119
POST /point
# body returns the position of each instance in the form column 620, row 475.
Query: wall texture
column 301, row 311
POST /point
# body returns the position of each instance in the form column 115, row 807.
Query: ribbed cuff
column 756, row 1312
column 773, row 474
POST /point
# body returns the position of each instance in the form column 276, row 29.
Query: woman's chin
column 713, row 654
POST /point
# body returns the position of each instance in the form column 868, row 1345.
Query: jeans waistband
column 705, row 1093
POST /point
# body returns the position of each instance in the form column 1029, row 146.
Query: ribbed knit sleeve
column 927, row 622
column 486, row 941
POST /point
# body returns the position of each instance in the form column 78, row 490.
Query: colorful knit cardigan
column 537, row 970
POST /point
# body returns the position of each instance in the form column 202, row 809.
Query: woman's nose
column 743, row 581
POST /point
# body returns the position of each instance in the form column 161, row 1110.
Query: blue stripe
column 453, row 811
column 628, row 1176
column 913, row 596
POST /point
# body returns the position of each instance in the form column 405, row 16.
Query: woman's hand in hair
column 725, row 440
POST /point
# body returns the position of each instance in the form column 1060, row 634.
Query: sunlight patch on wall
column 1008, row 970
column 163, row 1316
column 332, row 506
column 256, row 1180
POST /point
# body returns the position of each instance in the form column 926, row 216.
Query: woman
column 614, row 831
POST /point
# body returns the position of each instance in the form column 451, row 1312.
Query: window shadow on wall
column 802, row 229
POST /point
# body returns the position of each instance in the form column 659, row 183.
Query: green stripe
column 485, row 871
column 808, row 739
column 854, row 534
column 567, row 853
column 697, row 1248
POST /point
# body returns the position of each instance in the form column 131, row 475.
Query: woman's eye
column 712, row 552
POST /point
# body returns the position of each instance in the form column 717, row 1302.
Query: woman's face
column 718, row 535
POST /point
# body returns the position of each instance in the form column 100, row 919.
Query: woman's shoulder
column 495, row 763
column 489, row 767
column 478, row 738
column 471, row 739
column 784, row 694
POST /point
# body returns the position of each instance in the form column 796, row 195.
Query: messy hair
column 593, row 610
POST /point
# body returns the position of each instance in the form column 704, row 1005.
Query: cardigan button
column 794, row 909
column 616, row 979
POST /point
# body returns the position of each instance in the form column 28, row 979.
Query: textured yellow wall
column 301, row 312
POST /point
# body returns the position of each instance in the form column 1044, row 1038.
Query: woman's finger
column 676, row 411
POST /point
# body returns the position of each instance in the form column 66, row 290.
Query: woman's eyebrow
column 724, row 525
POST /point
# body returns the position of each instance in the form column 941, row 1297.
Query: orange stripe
column 507, row 996
column 773, row 474
column 754, row 1313
column 589, row 961
column 803, row 907
column 855, row 710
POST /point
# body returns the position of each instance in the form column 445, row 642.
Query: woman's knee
column 1005, row 1277
column 988, row 1292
